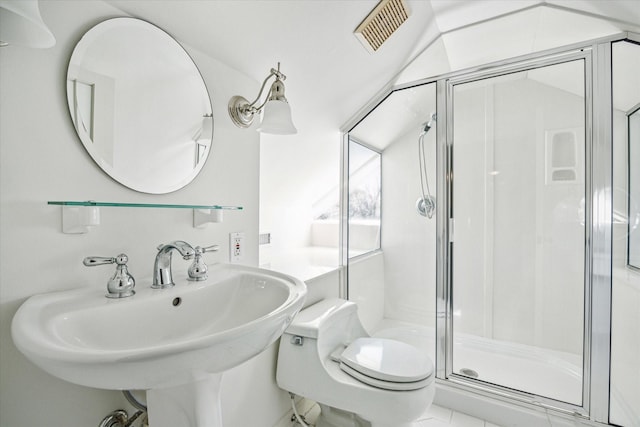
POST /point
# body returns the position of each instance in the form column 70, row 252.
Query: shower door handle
column 452, row 223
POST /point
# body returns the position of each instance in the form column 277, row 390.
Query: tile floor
column 435, row 416
column 438, row 416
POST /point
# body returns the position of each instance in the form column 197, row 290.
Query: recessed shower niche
column 562, row 154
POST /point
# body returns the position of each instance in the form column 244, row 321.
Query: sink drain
column 469, row 372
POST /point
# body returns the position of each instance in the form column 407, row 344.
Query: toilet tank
column 331, row 322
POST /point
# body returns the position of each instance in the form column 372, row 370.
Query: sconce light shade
column 276, row 118
column 22, row 25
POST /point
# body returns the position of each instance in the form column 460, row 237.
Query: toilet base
column 332, row 417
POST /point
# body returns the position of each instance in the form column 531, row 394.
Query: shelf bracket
column 202, row 217
column 79, row 219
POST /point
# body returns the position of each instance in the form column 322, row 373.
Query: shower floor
column 539, row 371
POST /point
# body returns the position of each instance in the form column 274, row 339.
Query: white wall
column 295, row 173
column 367, row 288
column 42, row 159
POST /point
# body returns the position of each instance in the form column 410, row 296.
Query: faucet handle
column 198, row 269
column 92, row 261
column 212, row 248
column 121, row 284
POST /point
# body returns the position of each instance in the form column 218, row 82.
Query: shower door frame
column 598, row 219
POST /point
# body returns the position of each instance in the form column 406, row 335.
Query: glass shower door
column 518, row 230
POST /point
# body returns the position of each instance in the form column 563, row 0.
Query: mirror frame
column 202, row 145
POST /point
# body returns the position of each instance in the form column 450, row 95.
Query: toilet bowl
column 327, row 356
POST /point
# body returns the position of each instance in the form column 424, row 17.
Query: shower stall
column 521, row 287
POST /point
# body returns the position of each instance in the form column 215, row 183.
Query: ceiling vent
column 378, row 26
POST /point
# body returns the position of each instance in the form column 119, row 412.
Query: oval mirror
column 139, row 105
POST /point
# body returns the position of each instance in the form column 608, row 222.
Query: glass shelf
column 91, row 203
column 79, row 216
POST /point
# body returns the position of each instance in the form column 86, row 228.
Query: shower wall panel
column 625, row 304
column 408, row 239
column 366, row 288
column 516, row 233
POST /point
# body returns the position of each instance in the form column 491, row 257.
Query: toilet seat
column 386, row 364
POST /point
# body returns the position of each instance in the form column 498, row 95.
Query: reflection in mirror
column 83, row 107
column 139, row 105
column 633, row 121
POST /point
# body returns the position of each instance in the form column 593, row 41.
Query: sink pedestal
column 196, row 404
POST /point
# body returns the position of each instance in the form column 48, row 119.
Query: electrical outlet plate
column 236, row 247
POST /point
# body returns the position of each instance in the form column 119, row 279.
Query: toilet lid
column 381, row 362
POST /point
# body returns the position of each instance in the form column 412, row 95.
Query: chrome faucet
column 162, row 277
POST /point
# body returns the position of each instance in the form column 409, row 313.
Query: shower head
column 428, row 125
column 432, row 120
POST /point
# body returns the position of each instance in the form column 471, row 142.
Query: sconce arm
column 279, row 76
column 242, row 112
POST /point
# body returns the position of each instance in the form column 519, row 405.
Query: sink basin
column 159, row 339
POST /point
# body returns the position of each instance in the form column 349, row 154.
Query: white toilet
column 359, row 381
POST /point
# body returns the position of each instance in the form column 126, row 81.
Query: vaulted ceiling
column 330, row 76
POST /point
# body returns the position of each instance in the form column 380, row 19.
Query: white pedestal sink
column 175, row 343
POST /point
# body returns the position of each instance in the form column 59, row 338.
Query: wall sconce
column 276, row 115
column 22, row 25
